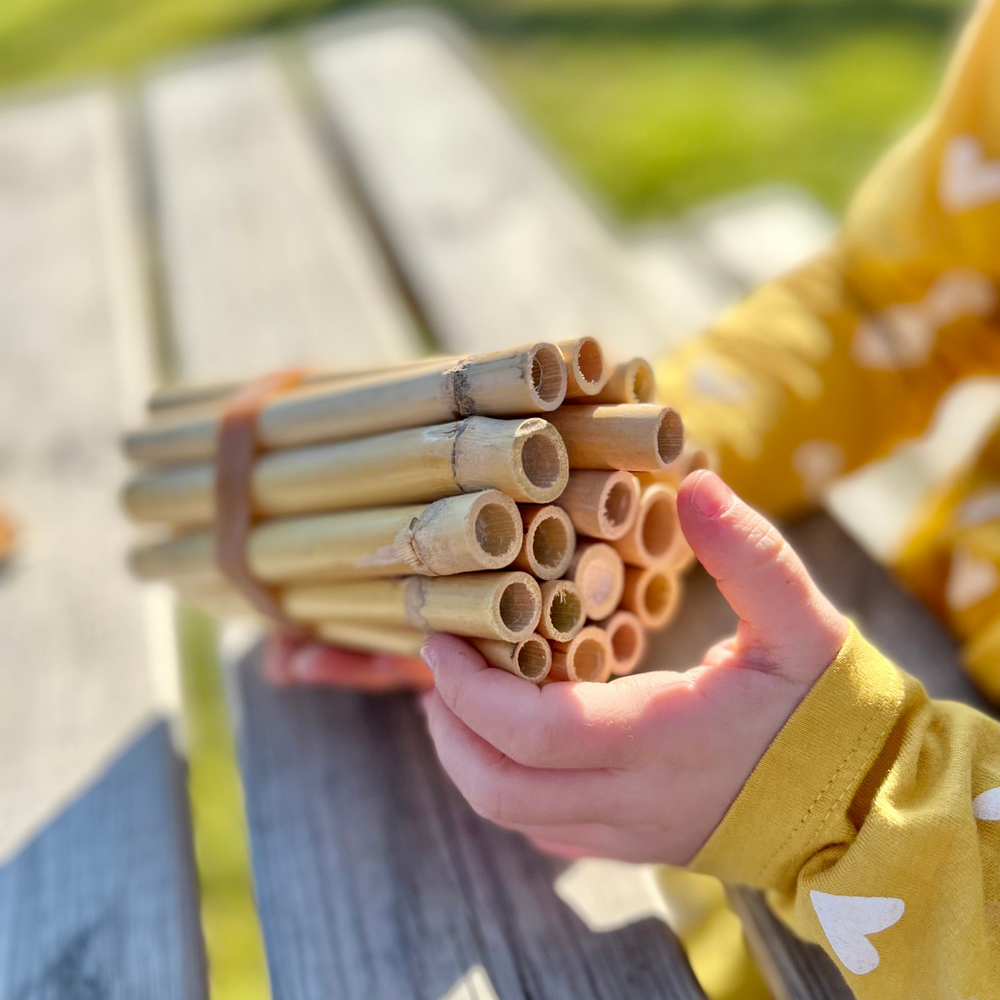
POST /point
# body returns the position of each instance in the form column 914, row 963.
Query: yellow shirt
column 873, row 824
column 831, row 366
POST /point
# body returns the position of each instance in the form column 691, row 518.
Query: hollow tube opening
column 669, row 436
column 658, row 526
column 517, row 606
column 540, row 460
column 618, row 504
column 643, row 384
column 624, row 641
column 532, row 659
column 657, row 595
column 496, row 532
column 588, row 660
column 590, row 363
column 548, row 374
column 565, row 611
column 549, row 542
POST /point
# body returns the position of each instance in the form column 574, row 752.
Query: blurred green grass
column 656, row 104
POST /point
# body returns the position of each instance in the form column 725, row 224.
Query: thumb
column 784, row 618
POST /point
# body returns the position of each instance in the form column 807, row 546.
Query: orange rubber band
column 235, row 452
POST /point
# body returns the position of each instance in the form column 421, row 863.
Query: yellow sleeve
column 829, row 367
column 873, row 823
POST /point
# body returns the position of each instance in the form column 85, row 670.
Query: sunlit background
column 658, row 107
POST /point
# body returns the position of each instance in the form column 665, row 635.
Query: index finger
column 563, row 725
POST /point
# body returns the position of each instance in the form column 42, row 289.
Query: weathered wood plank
column 94, row 838
column 103, row 902
column 497, row 246
column 890, row 618
column 266, row 259
column 375, row 878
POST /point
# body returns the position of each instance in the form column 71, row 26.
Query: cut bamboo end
column 652, row 594
column 584, row 366
column 526, row 459
column 487, row 605
column 530, row 659
column 601, row 504
column 562, row 611
column 372, row 638
column 549, row 542
column 587, row 657
column 599, row 575
column 630, row 382
column 507, row 383
column 628, row 641
column 631, row 437
column 656, row 535
column 470, row 533
column 464, row 534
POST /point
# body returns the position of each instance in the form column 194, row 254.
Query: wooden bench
column 336, row 216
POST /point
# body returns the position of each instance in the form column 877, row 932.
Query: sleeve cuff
column 809, row 774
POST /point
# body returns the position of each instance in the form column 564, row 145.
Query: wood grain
column 103, row 902
column 496, row 244
column 84, row 855
column 266, row 259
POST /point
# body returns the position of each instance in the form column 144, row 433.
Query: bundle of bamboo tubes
column 524, row 499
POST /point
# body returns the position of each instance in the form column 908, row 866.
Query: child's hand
column 294, row 662
column 644, row 768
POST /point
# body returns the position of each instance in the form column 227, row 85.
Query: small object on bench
column 7, row 535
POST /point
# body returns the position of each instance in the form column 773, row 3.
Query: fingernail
column 427, row 655
column 711, row 497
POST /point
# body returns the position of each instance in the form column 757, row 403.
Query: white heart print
column 967, row 179
column 846, row 920
column 987, row 805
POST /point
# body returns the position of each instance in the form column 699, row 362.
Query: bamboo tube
column 531, row 658
column 652, row 594
column 372, row 638
column 655, row 536
column 523, row 458
column 587, row 657
column 487, row 605
column 508, row 383
column 632, row 437
column 628, row 641
column 217, row 597
column 464, row 534
column 631, row 382
column 176, row 397
column 562, row 610
column 585, row 368
column 599, row 575
column 549, row 541
column 601, row 504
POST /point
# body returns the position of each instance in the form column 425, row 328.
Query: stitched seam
column 843, row 765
